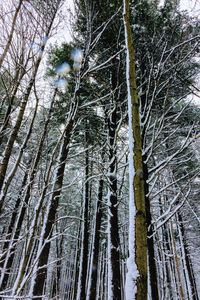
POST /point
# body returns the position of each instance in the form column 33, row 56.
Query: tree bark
column 7, row 258
column 43, row 259
column 114, row 277
column 95, row 255
column 81, row 295
column 136, row 282
column 9, row 146
column 26, row 198
column 11, row 33
column 150, row 240
column 188, row 260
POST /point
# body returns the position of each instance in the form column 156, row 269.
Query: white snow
column 77, row 55
column 63, row 69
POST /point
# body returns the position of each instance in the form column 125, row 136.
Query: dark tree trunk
column 94, row 267
column 26, row 197
column 14, row 133
column 8, row 264
column 5, row 123
column 56, row 281
column 15, row 130
column 188, row 261
column 150, row 240
column 43, row 259
column 114, row 247
column 76, row 264
column 10, row 36
column 85, row 229
column 168, row 263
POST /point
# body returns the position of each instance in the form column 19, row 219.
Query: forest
column 99, row 150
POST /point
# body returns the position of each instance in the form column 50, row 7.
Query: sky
column 193, row 7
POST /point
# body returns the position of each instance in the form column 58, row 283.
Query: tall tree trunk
column 82, row 288
column 25, row 201
column 11, row 175
column 188, row 260
column 24, row 272
column 178, row 276
column 9, row 146
column 76, row 263
column 167, row 263
column 92, row 288
column 150, row 239
column 14, row 133
column 51, row 215
column 57, row 275
column 136, row 281
column 7, row 257
column 114, row 277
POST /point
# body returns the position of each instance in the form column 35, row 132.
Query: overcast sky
column 193, row 6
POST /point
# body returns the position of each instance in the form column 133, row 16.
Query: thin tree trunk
column 2, row 57
column 176, row 263
column 114, row 277
column 22, row 273
column 44, row 255
column 113, row 121
column 150, row 240
column 82, row 288
column 10, row 176
column 14, row 133
column 57, row 277
column 26, row 197
column 95, row 252
column 188, row 264
column 9, row 146
column 7, row 257
column 10, row 98
column 166, row 258
column 76, row 264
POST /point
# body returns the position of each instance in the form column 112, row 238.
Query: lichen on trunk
column 136, row 280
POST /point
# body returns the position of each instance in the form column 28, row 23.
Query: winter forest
column 99, row 150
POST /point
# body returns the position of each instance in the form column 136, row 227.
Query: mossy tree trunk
column 136, row 282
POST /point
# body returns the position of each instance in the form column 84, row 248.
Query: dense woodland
column 99, row 151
